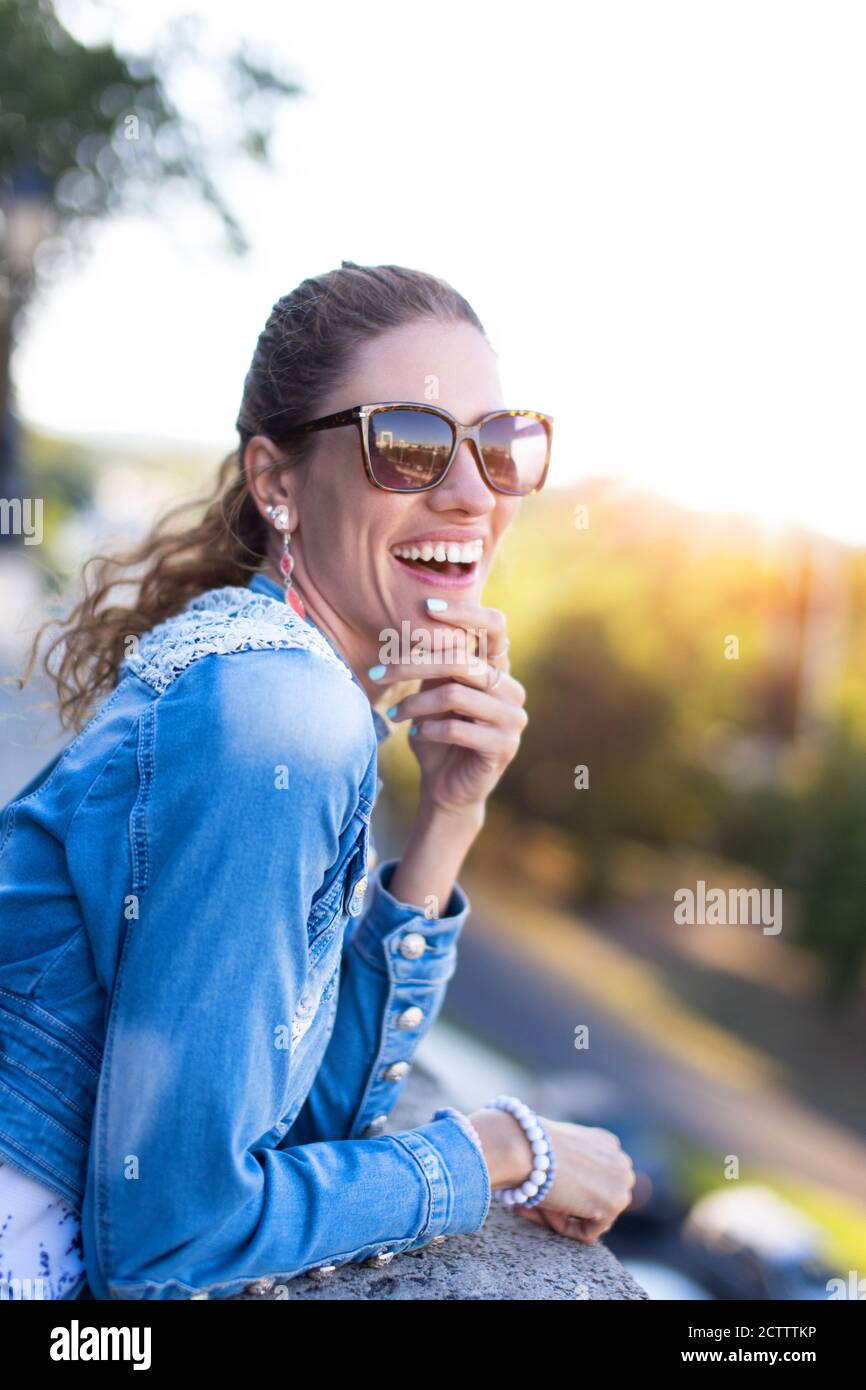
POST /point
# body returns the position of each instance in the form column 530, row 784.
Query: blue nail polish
column 376, row 672
column 413, row 728
column 436, row 605
column 391, row 712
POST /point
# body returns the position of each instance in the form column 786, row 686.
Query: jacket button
column 413, row 945
column 358, row 897
column 410, row 1018
column 263, row 1285
column 396, row 1071
column 383, row 1257
column 376, row 1125
column 321, row 1271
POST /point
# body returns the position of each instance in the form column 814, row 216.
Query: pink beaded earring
column 280, row 517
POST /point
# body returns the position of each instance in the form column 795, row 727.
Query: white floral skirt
column 41, row 1254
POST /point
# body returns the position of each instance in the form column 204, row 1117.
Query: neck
column 357, row 650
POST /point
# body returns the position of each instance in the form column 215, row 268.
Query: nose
column 464, row 489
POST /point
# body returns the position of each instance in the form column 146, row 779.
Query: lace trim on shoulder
column 231, row 619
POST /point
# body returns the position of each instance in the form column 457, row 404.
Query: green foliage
column 101, row 131
column 589, row 709
column 832, row 864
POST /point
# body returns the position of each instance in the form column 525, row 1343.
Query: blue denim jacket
column 208, row 1001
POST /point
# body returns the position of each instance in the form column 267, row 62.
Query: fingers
column 498, row 744
column 572, row 1227
column 467, row 643
column 473, row 672
column 487, row 626
column 581, row 1228
column 533, row 1215
column 469, row 702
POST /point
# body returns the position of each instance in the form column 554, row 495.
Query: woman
column 209, row 997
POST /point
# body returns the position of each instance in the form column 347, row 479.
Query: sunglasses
column 409, row 447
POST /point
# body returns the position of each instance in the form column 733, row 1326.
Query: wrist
column 506, row 1148
column 463, row 821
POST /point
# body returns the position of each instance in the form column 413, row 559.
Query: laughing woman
column 210, row 992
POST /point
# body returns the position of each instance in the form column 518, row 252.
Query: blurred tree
column 589, row 708
column 85, row 132
column 831, row 866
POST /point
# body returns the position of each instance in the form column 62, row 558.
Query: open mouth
column 441, row 561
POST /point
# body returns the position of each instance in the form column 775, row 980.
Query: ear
column 270, row 485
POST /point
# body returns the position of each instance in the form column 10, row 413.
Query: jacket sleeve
column 387, row 1003
column 186, row 1190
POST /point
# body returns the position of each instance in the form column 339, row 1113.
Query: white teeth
column 452, row 551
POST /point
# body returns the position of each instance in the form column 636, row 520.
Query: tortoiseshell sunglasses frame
column 360, row 415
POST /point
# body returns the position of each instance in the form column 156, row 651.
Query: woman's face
column 346, row 534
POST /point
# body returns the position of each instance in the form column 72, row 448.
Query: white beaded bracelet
column 534, row 1188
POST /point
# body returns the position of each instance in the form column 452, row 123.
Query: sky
column 658, row 211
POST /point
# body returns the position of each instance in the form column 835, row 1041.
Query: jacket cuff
column 456, row 1171
column 386, row 918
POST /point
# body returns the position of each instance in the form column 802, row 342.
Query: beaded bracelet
column 534, row 1188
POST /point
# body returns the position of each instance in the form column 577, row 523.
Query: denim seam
column 39, row 1160
column 377, row 1060
column 465, row 1125
column 39, row 982
column 101, row 1217
column 10, row 823
column 43, row 786
column 37, row 1110
column 110, row 755
column 145, row 760
column 55, row 1090
column 64, row 1193
column 55, row 1042
column 70, row 748
column 431, row 1199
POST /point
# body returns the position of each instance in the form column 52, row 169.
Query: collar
column 262, row 583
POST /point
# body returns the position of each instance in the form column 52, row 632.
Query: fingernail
column 413, row 728
column 376, row 672
column 391, row 712
column 436, row 605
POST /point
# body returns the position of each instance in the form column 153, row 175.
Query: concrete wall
column 507, row 1259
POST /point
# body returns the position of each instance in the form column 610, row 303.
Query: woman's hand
column 592, row 1185
column 468, row 728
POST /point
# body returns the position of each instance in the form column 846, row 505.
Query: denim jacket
column 209, row 1001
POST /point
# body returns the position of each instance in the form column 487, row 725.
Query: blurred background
column 674, row 271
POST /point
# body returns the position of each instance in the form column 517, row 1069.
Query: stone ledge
column 507, row 1259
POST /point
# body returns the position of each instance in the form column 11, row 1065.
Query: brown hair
column 304, row 351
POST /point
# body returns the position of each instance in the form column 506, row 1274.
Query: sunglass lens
column 515, row 448
column 408, row 448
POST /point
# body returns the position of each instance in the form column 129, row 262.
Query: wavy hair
column 305, row 350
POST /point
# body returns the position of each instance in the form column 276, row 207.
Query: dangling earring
column 280, row 517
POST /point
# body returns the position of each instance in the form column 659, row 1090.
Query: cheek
column 506, row 510
column 351, row 563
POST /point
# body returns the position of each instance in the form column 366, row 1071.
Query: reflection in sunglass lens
column 408, row 448
column 515, row 451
